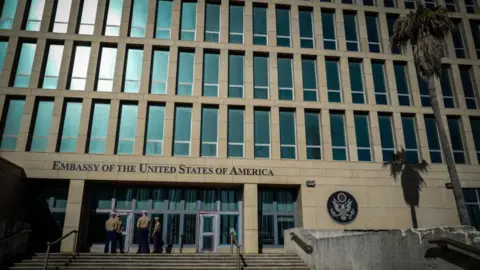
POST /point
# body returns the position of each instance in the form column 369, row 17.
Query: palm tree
column 426, row 31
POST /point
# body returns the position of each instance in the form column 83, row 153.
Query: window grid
column 450, row 5
column 307, row 41
column 430, row 4
column 470, row 6
column 212, row 35
column 357, row 87
column 334, row 82
column 390, row 3
column 351, row 40
column 114, row 17
column 233, row 35
column 458, row 40
column 447, row 88
column 279, row 11
column 260, row 36
column 257, row 132
column 387, row 137
column 374, row 43
column 313, row 136
column 380, row 83
column 410, row 4
column 285, row 146
column 62, row 16
column 329, row 26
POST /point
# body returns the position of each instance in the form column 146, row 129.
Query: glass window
column 236, row 129
column 98, row 128
column 475, row 125
column 235, row 24
column 262, row 133
column 369, row 2
column 410, row 137
column 71, row 123
column 373, row 33
column 329, row 32
column 451, row 5
column 182, row 131
column 138, row 21
column 24, row 65
column 472, row 198
column 87, row 19
column 339, row 139
column 211, row 65
column 188, row 21
column 390, row 3
column 468, row 87
column 163, row 23
column 209, row 132
column 410, row 4
column 288, row 147
column 430, row 4
column 391, row 19
column 333, row 81
column 386, row 136
column 185, row 73
column 475, row 27
column 79, row 67
column 307, row 39
column 447, row 88
column 260, row 36
column 35, row 13
column 52, row 66
column 458, row 41
column 351, row 34
column 312, row 135
column 155, row 122
column 133, row 70
column 260, row 77
column 400, row 70
column 471, row 6
column 62, row 15
column 283, row 26
column 309, row 79
column 285, row 78
column 212, row 22
column 454, row 126
column 41, row 129
column 114, row 18
column 380, row 83
column 11, row 122
column 276, row 215
column 127, row 129
column 235, row 75
column 424, row 96
column 362, row 133
column 108, row 59
column 433, row 140
column 3, row 52
column 159, row 73
column 227, row 222
column 8, row 14
column 356, row 82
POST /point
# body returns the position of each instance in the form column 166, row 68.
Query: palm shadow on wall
column 411, row 180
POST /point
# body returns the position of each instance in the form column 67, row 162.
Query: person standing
column 143, row 224
column 111, row 227
column 119, row 232
column 157, row 237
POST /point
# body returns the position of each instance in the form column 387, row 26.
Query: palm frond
column 427, row 55
column 402, row 30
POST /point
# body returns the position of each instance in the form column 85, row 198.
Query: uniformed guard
column 143, row 224
column 111, row 227
column 119, row 232
column 157, row 237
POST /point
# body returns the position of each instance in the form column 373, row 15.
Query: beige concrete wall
column 72, row 214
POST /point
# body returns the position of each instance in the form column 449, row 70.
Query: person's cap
column 144, row 211
column 117, row 215
column 157, row 218
column 112, row 213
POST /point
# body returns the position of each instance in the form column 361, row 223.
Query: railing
column 443, row 242
column 11, row 246
column 50, row 244
column 233, row 241
column 304, row 246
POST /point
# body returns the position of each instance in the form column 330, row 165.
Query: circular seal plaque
column 342, row 207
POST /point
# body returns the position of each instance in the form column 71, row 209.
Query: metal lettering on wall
column 150, row 168
column 342, row 207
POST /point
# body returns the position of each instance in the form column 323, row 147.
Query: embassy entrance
column 199, row 219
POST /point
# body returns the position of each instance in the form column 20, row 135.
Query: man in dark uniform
column 119, row 232
column 111, row 226
column 157, row 237
column 143, row 225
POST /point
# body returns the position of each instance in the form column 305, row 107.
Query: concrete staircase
column 214, row 261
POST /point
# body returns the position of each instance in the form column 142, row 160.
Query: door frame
column 214, row 232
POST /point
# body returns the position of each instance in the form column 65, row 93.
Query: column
column 391, row 85
column 141, row 124
column 37, row 63
column 146, row 69
column 55, row 125
column 73, row 18
column 248, row 75
column 294, row 26
column 248, row 23
column 198, row 72
column 345, row 80
column 73, row 212
column 271, row 25
column 222, row 131
column 249, row 132
column 273, row 76
column 307, row 207
column 301, row 140
column 84, row 122
column 275, row 133
column 223, row 74
column 196, row 130
column 119, row 68
column 369, row 87
column 351, row 142
column 424, row 152
column 100, row 18
column 326, row 136
column 92, row 66
column 322, row 79
column 125, row 22
column 375, row 137
column 168, row 129
column 112, row 127
column 8, row 64
column 65, row 65
column 172, row 71
column 200, row 26
column 318, row 28
column 297, row 77
column 250, row 218
column 362, row 31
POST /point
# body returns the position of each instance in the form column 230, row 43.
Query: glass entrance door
column 126, row 219
column 208, row 229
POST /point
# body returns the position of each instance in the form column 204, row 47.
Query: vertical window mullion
column 10, row 124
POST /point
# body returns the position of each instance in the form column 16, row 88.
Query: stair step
column 163, row 267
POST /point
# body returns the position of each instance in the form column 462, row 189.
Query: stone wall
column 12, row 191
column 389, row 249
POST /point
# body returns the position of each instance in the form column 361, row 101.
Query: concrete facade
column 380, row 198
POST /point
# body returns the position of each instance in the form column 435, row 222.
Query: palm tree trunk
column 447, row 151
column 413, row 213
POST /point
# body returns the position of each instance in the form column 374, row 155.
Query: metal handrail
column 445, row 241
column 233, row 241
column 302, row 244
column 50, row 244
column 14, row 236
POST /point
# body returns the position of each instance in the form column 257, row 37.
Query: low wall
column 389, row 249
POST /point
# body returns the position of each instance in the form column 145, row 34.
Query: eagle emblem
column 342, row 207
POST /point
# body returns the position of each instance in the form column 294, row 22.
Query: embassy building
column 254, row 115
